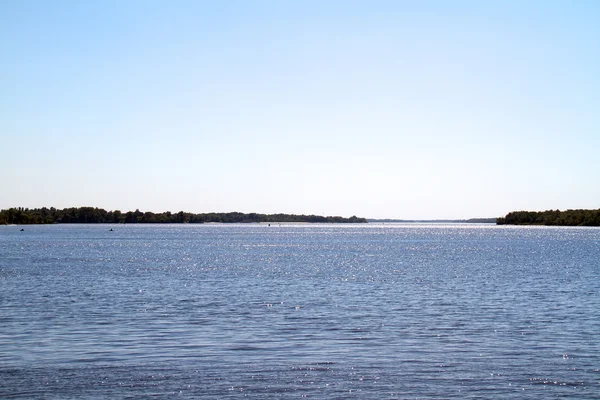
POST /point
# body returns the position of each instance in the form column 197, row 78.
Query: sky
column 380, row 109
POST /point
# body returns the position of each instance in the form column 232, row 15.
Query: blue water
column 294, row 311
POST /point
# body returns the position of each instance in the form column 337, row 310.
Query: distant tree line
column 91, row 215
column 552, row 217
column 439, row 221
column 480, row 220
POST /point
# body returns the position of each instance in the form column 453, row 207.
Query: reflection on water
column 325, row 311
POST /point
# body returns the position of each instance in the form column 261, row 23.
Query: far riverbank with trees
column 92, row 215
column 552, row 217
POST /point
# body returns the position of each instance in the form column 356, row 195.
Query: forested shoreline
column 552, row 217
column 91, row 215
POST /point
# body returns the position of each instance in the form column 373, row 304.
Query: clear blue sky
column 397, row 109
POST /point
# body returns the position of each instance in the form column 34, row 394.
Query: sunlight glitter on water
column 317, row 311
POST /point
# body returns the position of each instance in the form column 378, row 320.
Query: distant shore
column 437, row 221
column 92, row 215
column 552, row 218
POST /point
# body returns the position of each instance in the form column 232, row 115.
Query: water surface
column 292, row 311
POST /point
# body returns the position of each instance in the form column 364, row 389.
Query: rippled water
column 321, row 311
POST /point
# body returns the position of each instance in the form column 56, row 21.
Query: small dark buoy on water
column 269, row 224
column 110, row 230
column 22, row 230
